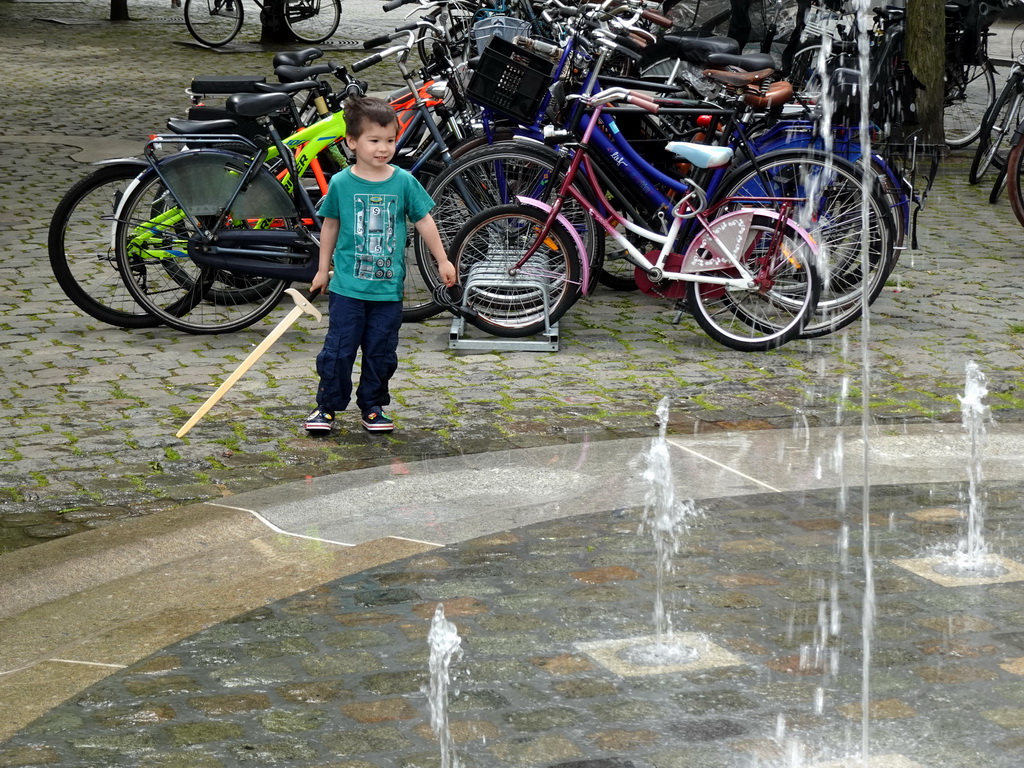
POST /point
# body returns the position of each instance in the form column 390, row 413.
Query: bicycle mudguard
column 203, row 180
column 730, row 229
column 122, row 161
column 585, row 260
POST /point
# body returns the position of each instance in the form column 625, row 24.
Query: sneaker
column 375, row 420
column 319, row 422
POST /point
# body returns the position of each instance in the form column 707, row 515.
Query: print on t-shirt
column 375, row 236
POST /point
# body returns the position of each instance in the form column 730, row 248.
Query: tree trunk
column 272, row 22
column 119, row 10
column 925, row 50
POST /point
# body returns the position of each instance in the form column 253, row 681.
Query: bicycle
column 216, row 22
column 997, row 128
column 497, row 174
column 81, row 253
column 969, row 86
column 747, row 275
column 80, row 236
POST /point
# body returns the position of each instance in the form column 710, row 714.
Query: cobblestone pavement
column 89, row 412
column 554, row 620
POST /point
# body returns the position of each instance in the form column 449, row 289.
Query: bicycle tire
column 503, row 305
column 616, row 272
column 490, row 177
column 776, row 308
column 416, row 293
column 996, row 128
column 213, row 22
column 80, row 245
column 835, row 223
column 1014, row 180
column 312, row 21
column 969, row 92
column 151, row 242
column 998, row 185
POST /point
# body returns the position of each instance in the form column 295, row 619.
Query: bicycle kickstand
column 680, row 311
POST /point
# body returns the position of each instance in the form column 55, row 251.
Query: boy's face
column 376, row 145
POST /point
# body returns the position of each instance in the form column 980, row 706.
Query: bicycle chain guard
column 664, row 289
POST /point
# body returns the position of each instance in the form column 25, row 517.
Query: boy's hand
column 447, row 271
column 320, row 281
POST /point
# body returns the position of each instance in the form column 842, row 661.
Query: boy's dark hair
column 361, row 111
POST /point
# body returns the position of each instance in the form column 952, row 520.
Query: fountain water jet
column 667, row 519
column 445, row 646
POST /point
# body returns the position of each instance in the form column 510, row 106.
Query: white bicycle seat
column 701, row 155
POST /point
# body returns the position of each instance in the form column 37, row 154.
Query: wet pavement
column 333, row 676
column 767, row 588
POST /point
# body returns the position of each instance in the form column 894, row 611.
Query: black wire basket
column 511, row 80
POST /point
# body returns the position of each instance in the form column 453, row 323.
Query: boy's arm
column 328, row 239
column 427, row 229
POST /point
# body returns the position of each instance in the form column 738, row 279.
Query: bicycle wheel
column 416, row 293
column 996, row 129
column 312, row 21
column 213, row 22
column 998, row 185
column 512, row 306
column 1015, row 180
column 81, row 248
column 832, row 189
column 151, row 241
column 785, row 292
column 970, row 91
column 486, row 178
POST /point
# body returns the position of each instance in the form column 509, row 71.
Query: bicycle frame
column 681, row 213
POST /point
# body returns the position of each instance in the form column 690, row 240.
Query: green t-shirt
column 369, row 258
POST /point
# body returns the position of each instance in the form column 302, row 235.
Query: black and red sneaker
column 319, row 422
column 375, row 420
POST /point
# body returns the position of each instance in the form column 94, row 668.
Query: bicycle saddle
column 287, row 73
column 286, row 87
column 216, row 84
column 701, row 155
column 693, row 49
column 298, row 58
column 738, row 79
column 196, row 127
column 777, row 94
column 257, row 104
column 749, row 62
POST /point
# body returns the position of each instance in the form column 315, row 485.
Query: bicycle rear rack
column 495, row 276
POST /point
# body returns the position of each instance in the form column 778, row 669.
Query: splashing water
column 445, row 646
column 664, row 516
column 974, row 413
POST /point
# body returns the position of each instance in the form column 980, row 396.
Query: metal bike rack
column 485, row 276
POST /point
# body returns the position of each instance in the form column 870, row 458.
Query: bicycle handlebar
column 369, row 61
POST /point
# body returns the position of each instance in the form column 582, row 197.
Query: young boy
column 363, row 237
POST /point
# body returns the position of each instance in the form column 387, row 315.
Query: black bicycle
column 216, row 22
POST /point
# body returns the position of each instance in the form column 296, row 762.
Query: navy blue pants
column 354, row 325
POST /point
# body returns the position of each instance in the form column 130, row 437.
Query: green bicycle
column 207, row 239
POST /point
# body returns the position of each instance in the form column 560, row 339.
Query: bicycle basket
column 822, row 22
column 510, row 80
column 504, row 27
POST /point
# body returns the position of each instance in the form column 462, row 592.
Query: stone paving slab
column 767, row 587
